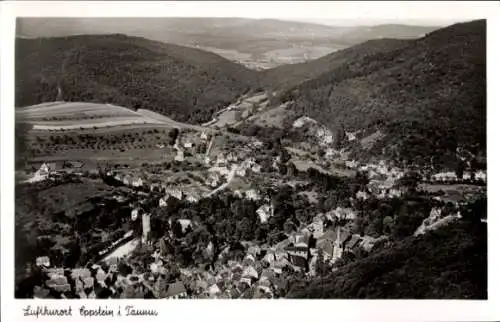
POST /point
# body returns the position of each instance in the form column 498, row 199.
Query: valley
column 153, row 170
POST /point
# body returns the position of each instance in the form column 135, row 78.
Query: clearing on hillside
column 77, row 115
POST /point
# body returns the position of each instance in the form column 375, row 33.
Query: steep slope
column 450, row 263
column 428, row 97
column 183, row 83
column 287, row 76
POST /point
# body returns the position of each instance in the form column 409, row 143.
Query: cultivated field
column 77, row 115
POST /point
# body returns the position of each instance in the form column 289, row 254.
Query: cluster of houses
column 106, row 280
column 262, row 271
column 382, row 180
column 451, row 177
column 50, row 169
column 128, row 180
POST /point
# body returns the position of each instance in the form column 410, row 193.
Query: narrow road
column 123, row 250
column 230, row 178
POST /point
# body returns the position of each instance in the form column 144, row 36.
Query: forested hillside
column 428, row 97
column 449, row 263
column 287, row 76
column 184, row 83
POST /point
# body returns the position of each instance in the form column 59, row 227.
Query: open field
column 71, row 111
column 77, row 115
column 297, row 54
column 80, row 115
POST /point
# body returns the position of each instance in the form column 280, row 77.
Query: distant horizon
column 375, row 22
column 330, row 22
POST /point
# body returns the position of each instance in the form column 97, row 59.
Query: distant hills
column 428, row 96
column 184, row 83
column 253, row 42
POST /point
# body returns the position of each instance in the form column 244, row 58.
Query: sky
column 327, row 12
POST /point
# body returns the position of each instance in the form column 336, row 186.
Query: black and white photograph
column 249, row 157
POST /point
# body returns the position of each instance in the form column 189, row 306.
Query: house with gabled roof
column 176, row 290
column 192, row 198
column 250, row 272
column 302, row 251
column 179, row 157
column 175, row 193
column 185, row 224
column 299, row 263
column 137, row 182
column 221, row 160
column 162, row 202
column 264, row 212
column 127, row 180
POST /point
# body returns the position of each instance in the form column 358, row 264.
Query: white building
column 241, row 172
column 444, row 176
column 162, row 202
column 185, row 223
column 256, row 168
column 176, row 193
column 213, row 290
column 351, row 164
column 301, row 121
column 251, row 194
column 191, row 198
column 41, row 174
column 146, row 227
column 250, row 272
column 480, row 175
column 264, row 212
column 362, row 195
column 43, row 261
column 126, row 180
column 221, row 160
column 351, row 136
column 134, row 214
column 180, row 156
column 137, row 182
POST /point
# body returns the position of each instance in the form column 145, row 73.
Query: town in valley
column 150, row 170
